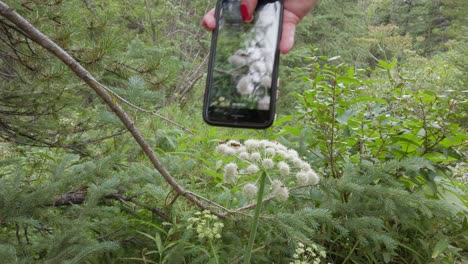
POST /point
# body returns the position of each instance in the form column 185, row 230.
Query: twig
column 144, row 110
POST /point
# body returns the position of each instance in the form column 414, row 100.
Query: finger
column 290, row 22
column 287, row 37
column 209, row 20
column 247, row 9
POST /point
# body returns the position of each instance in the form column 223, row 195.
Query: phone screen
column 243, row 70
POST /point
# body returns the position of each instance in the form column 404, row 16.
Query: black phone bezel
column 234, row 117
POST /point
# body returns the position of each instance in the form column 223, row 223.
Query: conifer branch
column 146, row 111
column 35, row 35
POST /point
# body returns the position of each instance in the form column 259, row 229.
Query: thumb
column 290, row 22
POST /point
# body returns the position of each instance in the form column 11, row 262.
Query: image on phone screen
column 242, row 87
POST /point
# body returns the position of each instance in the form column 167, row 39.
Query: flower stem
column 214, row 252
column 253, row 228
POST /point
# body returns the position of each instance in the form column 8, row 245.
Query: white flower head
column 252, row 169
column 230, row 172
column 255, row 156
column 282, row 194
column 244, row 156
column 229, row 151
column 264, row 143
column 221, row 149
column 314, row 179
column 283, row 154
column 279, row 191
column 266, row 81
column 268, row 163
column 302, row 178
column 264, row 103
column 250, row 190
column 245, row 86
column 241, row 149
column 297, row 162
column 283, row 168
column 270, row 151
column 305, row 166
column 276, row 184
column 292, row 154
column 251, row 144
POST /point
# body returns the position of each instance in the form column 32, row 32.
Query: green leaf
column 439, row 248
column 158, row 241
column 334, row 58
column 387, row 65
column 343, row 118
column 347, row 80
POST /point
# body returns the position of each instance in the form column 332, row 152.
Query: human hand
column 294, row 11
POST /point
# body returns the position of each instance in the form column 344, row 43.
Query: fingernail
column 245, row 13
column 204, row 24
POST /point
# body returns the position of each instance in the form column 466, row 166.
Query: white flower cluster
column 278, row 161
column 307, row 255
column 206, row 225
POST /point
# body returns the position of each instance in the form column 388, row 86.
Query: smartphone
column 242, row 74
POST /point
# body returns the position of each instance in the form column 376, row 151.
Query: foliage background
column 373, row 96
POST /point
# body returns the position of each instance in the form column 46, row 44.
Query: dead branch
column 79, row 197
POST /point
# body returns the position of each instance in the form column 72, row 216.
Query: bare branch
column 79, row 197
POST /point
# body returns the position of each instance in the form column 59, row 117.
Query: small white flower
column 305, row 166
column 251, row 144
column 297, row 162
column 292, row 154
column 266, row 81
column 270, row 151
column 241, row 149
column 255, row 156
column 238, row 59
column 252, row 169
column 313, row 177
column 244, row 156
column 276, row 184
column 245, row 86
column 221, row 149
column 250, row 190
column 259, row 67
column 282, row 194
column 229, row 151
column 230, row 172
column 264, row 103
column 302, row 178
column 283, row 168
column 279, row 191
column 268, row 163
column 283, row 154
